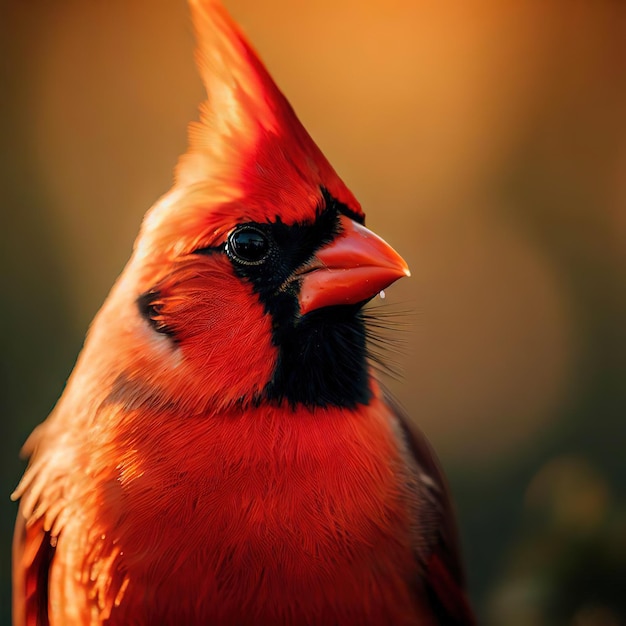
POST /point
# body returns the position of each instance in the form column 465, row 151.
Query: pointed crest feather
column 247, row 150
column 243, row 102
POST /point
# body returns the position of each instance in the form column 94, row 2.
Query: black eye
column 247, row 245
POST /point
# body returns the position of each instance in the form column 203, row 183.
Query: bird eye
column 247, row 245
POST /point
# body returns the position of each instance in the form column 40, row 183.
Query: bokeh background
column 485, row 139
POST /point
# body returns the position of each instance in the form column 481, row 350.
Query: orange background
column 486, row 141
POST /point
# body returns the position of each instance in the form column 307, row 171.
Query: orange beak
column 353, row 268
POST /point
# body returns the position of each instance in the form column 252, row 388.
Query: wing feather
column 33, row 552
column 437, row 541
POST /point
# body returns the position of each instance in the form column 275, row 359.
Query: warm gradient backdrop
column 486, row 141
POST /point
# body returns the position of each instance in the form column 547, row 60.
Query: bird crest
column 247, row 151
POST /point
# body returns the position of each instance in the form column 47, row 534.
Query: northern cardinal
column 222, row 454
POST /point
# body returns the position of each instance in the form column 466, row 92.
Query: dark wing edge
column 444, row 574
column 32, row 556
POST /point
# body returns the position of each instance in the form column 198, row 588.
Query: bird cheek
column 225, row 338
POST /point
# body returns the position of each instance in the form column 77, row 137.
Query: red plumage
column 222, row 454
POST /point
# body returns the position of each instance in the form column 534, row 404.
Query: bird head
column 248, row 277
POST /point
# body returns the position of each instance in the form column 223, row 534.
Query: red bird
column 222, row 454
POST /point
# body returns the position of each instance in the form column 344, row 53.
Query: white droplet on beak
column 382, row 295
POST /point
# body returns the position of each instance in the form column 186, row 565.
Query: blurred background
column 486, row 141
